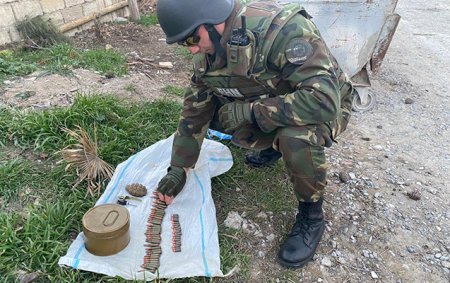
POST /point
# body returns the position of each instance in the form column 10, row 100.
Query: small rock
column 409, row 101
column 233, row 220
column 365, row 138
column 108, row 47
column 378, row 147
column 120, row 20
column 261, row 254
column 333, row 244
column 438, row 255
column 414, row 195
column 326, row 261
column 411, row 249
column 379, row 127
column 374, row 275
column 445, row 264
column 165, row 65
column 352, row 175
column 28, row 278
column 366, row 253
column 270, row 238
column 161, row 39
column 344, row 177
column 262, row 215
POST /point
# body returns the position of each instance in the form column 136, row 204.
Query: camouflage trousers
column 303, row 151
column 302, row 148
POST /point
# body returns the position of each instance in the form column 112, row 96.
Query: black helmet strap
column 215, row 38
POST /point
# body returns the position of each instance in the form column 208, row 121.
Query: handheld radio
column 239, row 36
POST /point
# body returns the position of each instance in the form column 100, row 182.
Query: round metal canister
column 106, row 229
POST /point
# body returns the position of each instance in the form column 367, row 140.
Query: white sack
column 199, row 254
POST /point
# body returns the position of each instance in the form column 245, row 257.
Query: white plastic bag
column 200, row 255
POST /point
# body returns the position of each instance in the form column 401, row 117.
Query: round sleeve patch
column 298, row 51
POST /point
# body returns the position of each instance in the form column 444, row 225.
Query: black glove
column 174, row 181
column 234, row 115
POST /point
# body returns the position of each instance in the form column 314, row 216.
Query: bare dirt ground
column 377, row 231
column 144, row 47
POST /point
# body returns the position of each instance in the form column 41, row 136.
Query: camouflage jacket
column 287, row 71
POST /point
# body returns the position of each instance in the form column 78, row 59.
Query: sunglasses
column 191, row 40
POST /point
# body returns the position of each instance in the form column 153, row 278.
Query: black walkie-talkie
column 239, row 36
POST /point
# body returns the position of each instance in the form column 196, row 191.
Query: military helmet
column 179, row 18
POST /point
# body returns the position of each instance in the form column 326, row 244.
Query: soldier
column 263, row 74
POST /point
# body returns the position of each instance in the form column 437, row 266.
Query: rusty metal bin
column 106, row 229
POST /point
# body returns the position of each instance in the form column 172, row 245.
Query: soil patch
column 144, row 48
column 375, row 230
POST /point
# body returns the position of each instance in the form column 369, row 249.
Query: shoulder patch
column 298, row 51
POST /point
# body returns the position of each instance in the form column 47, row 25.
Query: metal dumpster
column 358, row 32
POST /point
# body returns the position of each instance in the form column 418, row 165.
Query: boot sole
column 295, row 264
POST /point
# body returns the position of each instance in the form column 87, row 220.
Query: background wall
column 59, row 11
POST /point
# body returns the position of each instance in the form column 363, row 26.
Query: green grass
column 60, row 59
column 39, row 208
column 35, row 242
column 10, row 65
column 121, row 128
column 173, row 90
column 183, row 52
column 148, row 20
column 246, row 189
column 12, row 181
column 105, row 61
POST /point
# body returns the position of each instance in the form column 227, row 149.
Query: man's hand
column 234, row 115
column 171, row 184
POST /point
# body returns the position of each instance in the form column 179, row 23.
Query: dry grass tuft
column 39, row 33
column 84, row 156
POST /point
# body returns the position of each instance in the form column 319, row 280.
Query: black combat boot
column 301, row 243
column 266, row 157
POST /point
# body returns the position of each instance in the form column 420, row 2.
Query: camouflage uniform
column 300, row 105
